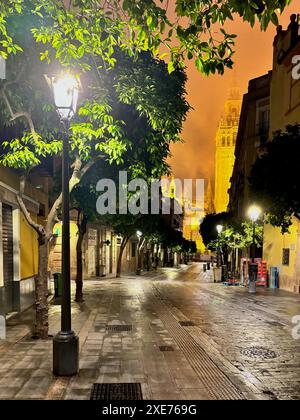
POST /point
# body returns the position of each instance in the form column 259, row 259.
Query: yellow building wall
column 55, row 253
column 191, row 233
column 284, row 110
column 274, row 243
column 28, row 248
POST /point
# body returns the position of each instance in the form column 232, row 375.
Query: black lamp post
column 219, row 230
column 139, row 234
column 254, row 212
column 65, row 89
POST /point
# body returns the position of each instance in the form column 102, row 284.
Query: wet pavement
column 184, row 338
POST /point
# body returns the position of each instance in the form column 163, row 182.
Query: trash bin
column 102, row 272
column 57, row 284
column 253, row 270
column 217, row 274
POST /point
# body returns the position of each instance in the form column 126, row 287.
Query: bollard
column 253, row 270
column 204, row 268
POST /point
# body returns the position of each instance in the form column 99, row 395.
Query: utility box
column 217, row 274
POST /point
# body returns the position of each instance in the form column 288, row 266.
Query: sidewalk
column 201, row 359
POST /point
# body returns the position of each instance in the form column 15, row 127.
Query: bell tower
column 225, row 146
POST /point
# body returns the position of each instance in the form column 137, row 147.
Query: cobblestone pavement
column 207, row 359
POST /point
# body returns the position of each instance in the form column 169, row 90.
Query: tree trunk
column 119, row 263
column 41, row 290
column 82, row 228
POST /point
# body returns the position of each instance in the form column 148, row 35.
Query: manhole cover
column 187, row 323
column 119, row 328
column 166, row 348
column 130, row 391
column 260, row 352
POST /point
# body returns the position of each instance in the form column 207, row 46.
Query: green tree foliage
column 238, row 236
column 274, row 178
column 79, row 30
column 208, row 226
column 235, row 235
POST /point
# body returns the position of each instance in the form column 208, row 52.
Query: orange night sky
column 253, row 58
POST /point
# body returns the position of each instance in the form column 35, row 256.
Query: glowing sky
column 253, row 58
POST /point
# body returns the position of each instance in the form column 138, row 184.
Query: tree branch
column 74, row 180
column 22, row 114
column 38, row 228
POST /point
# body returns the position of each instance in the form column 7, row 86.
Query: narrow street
column 209, row 357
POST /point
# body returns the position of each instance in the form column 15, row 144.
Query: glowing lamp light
column 219, row 229
column 139, row 234
column 65, row 88
column 254, row 213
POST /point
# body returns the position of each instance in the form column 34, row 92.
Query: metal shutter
column 8, row 245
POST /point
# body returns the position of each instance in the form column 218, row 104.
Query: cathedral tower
column 225, row 146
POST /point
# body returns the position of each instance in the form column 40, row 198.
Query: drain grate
column 166, row 348
column 259, row 352
column 187, row 323
column 126, row 391
column 118, row 328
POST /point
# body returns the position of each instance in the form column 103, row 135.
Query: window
column 228, row 141
column 223, row 141
column 286, row 256
column 263, row 119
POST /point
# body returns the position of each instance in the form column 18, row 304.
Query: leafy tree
column 208, row 226
column 34, row 134
column 236, row 236
column 274, row 178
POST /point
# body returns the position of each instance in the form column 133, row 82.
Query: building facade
column 272, row 103
column 225, row 146
column 283, row 251
column 253, row 132
column 18, row 243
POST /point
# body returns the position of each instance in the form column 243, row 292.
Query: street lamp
column 254, row 213
column 219, row 230
column 65, row 88
column 139, row 235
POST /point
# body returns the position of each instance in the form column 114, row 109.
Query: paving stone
column 227, row 321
